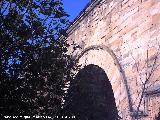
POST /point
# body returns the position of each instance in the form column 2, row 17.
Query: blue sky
column 74, row 7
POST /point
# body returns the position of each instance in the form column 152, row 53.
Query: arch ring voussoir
column 116, row 62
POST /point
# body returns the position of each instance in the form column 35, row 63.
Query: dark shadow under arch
column 90, row 96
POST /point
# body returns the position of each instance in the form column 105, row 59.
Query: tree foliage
column 33, row 63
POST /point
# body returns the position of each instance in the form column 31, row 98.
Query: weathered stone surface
column 130, row 29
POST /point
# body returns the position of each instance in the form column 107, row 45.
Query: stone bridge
column 122, row 37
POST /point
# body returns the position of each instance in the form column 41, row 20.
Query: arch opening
column 119, row 67
column 91, row 95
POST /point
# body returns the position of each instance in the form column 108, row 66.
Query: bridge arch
column 117, row 66
column 130, row 34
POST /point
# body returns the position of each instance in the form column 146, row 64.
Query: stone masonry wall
column 123, row 38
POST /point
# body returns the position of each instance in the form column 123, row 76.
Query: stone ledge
column 154, row 90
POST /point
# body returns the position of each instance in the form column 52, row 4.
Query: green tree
column 33, row 63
